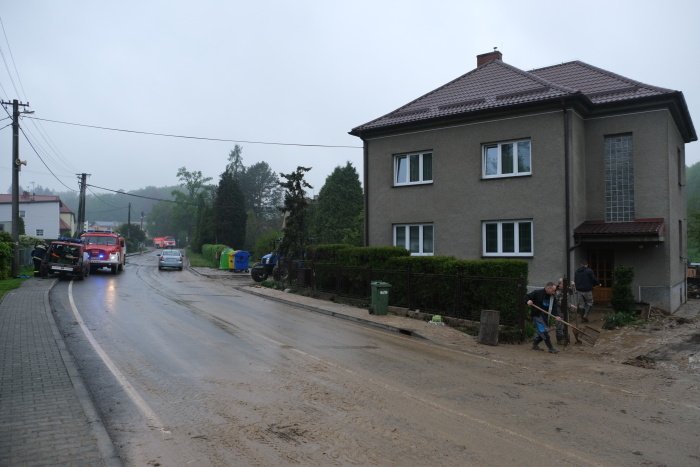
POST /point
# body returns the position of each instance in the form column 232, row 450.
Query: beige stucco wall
column 658, row 268
column 459, row 200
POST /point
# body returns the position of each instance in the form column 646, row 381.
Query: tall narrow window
column 410, row 169
column 681, row 167
column 619, row 179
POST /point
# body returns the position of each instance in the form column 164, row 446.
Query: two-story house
column 44, row 216
column 554, row 166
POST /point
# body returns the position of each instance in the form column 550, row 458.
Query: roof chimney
column 488, row 57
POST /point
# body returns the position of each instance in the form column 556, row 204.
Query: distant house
column 552, row 166
column 44, row 216
column 68, row 224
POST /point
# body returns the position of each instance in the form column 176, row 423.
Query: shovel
column 589, row 336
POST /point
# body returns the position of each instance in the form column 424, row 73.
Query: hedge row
column 6, row 255
column 443, row 284
column 212, row 252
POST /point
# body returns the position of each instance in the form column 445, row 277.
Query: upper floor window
column 413, row 168
column 39, row 232
column 509, row 159
column 507, row 238
column 416, row 238
column 619, row 179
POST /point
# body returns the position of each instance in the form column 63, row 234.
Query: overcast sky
column 303, row 72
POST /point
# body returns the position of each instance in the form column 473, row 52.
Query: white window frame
column 407, row 157
column 407, row 238
column 22, row 213
column 499, row 154
column 516, row 239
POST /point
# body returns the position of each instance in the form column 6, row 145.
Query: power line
column 42, row 161
column 140, row 196
column 14, row 64
column 105, row 202
column 201, row 138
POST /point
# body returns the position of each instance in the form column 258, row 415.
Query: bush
column 212, row 252
column 622, row 299
column 618, row 319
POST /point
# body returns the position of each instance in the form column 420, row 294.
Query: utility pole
column 15, row 164
column 81, row 204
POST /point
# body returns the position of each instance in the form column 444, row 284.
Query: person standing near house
column 546, row 300
column 585, row 280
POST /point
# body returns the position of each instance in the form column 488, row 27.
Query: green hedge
column 442, row 284
column 212, row 252
column 6, row 255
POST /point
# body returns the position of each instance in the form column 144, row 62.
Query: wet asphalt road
column 189, row 371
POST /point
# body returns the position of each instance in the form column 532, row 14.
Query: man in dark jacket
column 38, row 254
column 544, row 299
column 585, row 280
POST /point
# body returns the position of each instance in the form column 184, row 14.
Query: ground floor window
column 39, row 232
column 507, row 238
column 416, row 238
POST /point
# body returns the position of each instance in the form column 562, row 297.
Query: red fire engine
column 107, row 249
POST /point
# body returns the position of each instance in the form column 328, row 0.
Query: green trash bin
column 380, row 297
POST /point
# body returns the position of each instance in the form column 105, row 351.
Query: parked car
column 66, row 257
column 170, row 259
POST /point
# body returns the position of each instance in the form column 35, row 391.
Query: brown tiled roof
column 497, row 85
column 5, row 198
column 599, row 85
column 638, row 228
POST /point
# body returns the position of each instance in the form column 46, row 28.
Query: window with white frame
column 21, row 213
column 416, row 238
column 508, row 159
column 39, row 232
column 411, row 169
column 507, row 238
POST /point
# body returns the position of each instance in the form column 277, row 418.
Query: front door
column 601, row 261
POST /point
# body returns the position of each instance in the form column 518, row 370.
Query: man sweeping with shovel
column 543, row 299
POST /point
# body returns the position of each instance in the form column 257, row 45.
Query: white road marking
column 143, row 407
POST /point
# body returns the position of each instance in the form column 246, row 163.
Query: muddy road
column 190, row 371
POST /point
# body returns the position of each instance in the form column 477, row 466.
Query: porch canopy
column 639, row 230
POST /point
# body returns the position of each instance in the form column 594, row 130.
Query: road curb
column 97, row 428
column 364, row 322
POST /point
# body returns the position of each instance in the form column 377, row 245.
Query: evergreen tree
column 294, row 237
column 185, row 210
column 338, row 211
column 230, row 215
column 205, row 231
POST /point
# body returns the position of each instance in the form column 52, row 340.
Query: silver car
column 170, row 259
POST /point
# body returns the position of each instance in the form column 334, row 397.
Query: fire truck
column 164, row 242
column 107, row 249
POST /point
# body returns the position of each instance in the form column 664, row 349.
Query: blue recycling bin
column 240, row 261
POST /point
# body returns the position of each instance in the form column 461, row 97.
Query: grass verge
column 199, row 261
column 9, row 284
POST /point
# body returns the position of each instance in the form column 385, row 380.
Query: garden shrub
column 622, row 299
